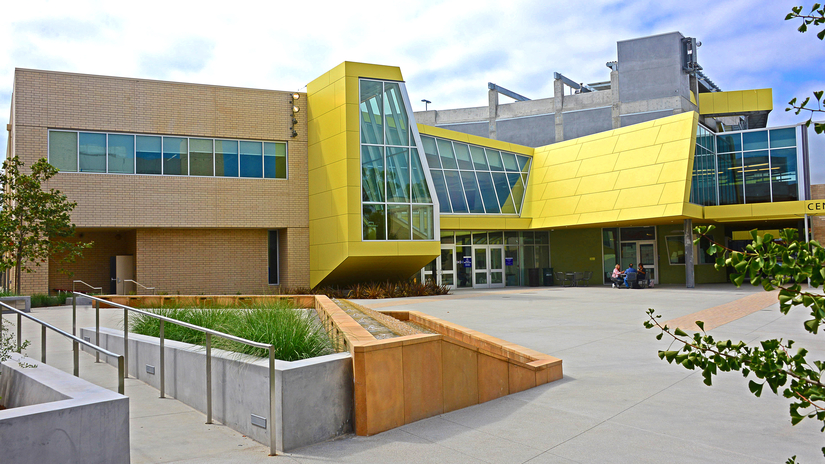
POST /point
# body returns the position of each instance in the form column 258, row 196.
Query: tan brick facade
column 818, row 222
column 227, row 217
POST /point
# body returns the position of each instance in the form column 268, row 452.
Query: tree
column 815, row 18
column 33, row 221
column 783, row 264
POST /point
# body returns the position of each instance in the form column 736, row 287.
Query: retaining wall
column 313, row 396
column 56, row 417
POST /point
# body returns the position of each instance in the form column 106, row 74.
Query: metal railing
column 76, row 342
column 140, row 285
column 84, row 283
column 208, row 332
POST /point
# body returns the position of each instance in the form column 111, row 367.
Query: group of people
column 630, row 278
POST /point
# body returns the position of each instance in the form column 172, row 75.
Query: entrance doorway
column 627, row 245
column 488, row 266
column 643, row 252
column 442, row 269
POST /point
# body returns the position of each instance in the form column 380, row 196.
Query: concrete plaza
column 617, row 402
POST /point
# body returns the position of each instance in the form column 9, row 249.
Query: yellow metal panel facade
column 736, row 102
column 649, row 179
column 333, row 126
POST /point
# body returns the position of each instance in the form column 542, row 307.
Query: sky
column 447, row 51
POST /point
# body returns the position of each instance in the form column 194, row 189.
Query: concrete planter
column 56, row 417
column 23, row 303
column 313, row 396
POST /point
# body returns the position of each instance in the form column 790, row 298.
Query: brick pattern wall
column 190, row 262
column 93, row 268
column 818, row 222
column 50, row 100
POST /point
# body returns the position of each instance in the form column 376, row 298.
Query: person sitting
column 641, row 276
column 616, row 277
column 629, row 276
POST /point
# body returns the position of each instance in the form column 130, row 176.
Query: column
column 690, row 280
column 492, row 97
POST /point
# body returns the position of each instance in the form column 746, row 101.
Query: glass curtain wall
column 475, row 180
column 395, row 197
column 757, row 166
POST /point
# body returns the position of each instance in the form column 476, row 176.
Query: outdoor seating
column 585, row 279
column 560, row 277
column 578, row 278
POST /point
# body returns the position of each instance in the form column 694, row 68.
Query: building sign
column 815, row 207
column 468, row 261
column 508, row 261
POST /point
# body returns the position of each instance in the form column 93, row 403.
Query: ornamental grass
column 295, row 333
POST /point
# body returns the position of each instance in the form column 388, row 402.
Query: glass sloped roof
column 471, row 179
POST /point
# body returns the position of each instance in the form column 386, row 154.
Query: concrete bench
column 23, row 303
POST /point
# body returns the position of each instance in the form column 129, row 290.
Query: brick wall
column 818, row 222
column 93, row 268
column 217, row 261
column 46, row 100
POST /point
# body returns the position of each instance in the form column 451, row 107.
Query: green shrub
column 295, row 334
column 41, row 299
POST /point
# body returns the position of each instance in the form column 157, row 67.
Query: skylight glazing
column 470, row 179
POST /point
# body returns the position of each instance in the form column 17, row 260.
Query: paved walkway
column 617, row 402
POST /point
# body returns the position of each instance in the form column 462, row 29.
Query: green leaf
column 755, row 388
column 701, row 325
column 680, row 332
column 812, row 326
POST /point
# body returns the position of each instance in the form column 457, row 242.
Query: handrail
column 209, row 333
column 84, row 283
column 121, row 360
column 140, row 285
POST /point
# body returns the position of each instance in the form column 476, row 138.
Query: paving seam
column 725, row 313
column 447, row 447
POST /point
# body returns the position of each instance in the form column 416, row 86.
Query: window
column 274, row 267
column 675, row 249
column 395, row 195
column 63, row 150
column 755, row 166
column 117, row 153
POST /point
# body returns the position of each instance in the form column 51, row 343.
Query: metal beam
column 506, row 92
column 571, row 83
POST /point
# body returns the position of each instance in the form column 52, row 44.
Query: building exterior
column 206, row 189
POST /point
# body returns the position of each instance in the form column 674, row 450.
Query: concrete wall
column 47, row 100
column 313, row 396
column 530, row 131
column 56, row 417
column 585, row 122
column 651, row 67
column 637, row 118
column 480, row 129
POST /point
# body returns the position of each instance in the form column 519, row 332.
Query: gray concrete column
column 558, row 107
column 492, row 102
column 690, row 280
column 616, row 109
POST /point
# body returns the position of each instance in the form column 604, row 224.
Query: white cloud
column 448, row 50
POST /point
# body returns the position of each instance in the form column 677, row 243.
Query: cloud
column 184, row 56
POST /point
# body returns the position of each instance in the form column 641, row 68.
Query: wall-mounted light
column 296, row 96
column 294, row 133
column 295, row 109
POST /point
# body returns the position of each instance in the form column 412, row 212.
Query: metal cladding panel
column 635, row 173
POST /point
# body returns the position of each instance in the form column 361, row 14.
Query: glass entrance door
column 647, row 256
column 446, row 267
column 643, row 252
column 481, row 278
column 496, row 266
column 442, row 269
